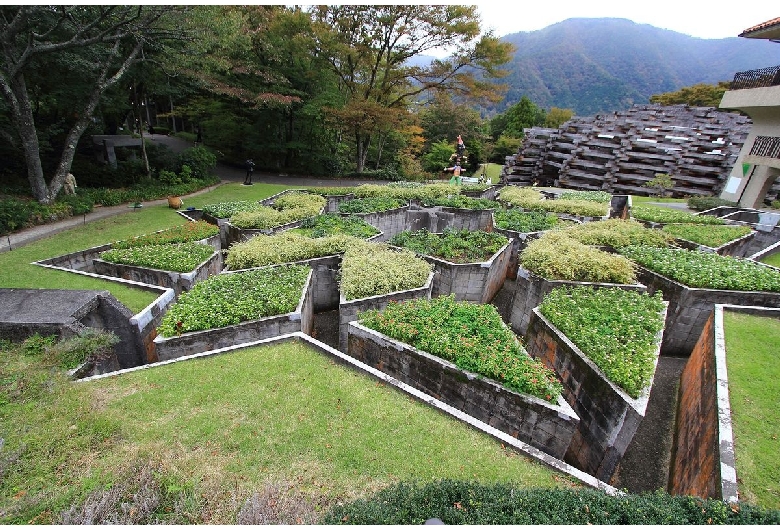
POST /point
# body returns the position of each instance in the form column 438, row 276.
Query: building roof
column 766, row 30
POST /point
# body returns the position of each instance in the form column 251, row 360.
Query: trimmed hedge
column 469, row 502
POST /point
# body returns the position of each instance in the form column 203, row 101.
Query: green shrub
column 707, row 235
column 618, row 233
column 595, row 196
column 332, row 223
column 706, row 270
column 707, row 203
column 468, row 502
column 530, row 199
column 176, row 257
column 457, row 246
column 285, row 247
column 286, row 209
column 190, row 231
column 525, row 222
column 225, row 210
column 667, row 215
column 229, row 299
column 472, row 336
column 616, row 329
column 372, row 269
column 14, row 214
column 555, row 256
column 370, row 204
column 200, row 161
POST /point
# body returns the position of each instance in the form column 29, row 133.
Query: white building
column 757, row 94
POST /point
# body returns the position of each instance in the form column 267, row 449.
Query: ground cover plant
column 190, row 231
column 525, row 222
column 530, row 199
column 407, row 192
column 617, row 233
column 332, row 223
column 754, row 384
column 457, row 246
column 219, row 430
column 706, row 270
column 370, row 205
column 372, row 269
column 656, row 214
column 285, row 247
column 555, row 256
column 461, row 201
column 326, row 191
column 229, row 299
column 707, row 235
column 472, row 336
column 286, row 209
column 616, row 329
column 226, row 209
column 457, row 502
column 176, row 257
column 595, row 196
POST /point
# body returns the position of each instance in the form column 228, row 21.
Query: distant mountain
column 594, row 65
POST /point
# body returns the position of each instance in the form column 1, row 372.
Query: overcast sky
column 715, row 19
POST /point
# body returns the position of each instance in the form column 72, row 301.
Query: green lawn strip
column 707, row 235
column 224, row 426
column 772, row 259
column 754, row 392
column 17, row 271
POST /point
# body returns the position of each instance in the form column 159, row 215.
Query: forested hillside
column 607, row 64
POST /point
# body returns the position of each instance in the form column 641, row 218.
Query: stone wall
column 543, row 425
column 608, row 416
column 389, row 222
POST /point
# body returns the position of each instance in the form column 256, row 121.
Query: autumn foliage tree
column 371, row 51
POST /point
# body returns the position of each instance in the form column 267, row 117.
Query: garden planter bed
column 488, row 193
column 349, row 309
column 178, row 281
column 234, row 234
column 388, row 222
column 334, row 201
column 530, row 289
column 609, row 417
column 546, row 426
column 738, row 247
column 689, row 308
column 299, row 320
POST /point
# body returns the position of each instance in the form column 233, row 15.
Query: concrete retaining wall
column 301, row 319
column 475, row 282
column 530, row 290
column 546, row 426
column 389, row 222
column 689, row 309
column 349, row 309
column 178, row 281
column 608, row 416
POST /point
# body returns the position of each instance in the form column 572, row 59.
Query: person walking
column 250, row 168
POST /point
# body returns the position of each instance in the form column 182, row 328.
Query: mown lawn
column 214, row 431
column 754, row 391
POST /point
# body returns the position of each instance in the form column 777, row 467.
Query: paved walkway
column 225, row 172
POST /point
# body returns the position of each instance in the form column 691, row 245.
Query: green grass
column 220, row 428
column 493, row 171
column 17, row 271
column 772, row 259
column 754, row 391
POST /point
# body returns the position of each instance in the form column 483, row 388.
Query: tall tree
column 701, row 95
column 371, row 50
column 99, row 42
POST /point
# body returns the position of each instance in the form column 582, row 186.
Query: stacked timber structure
column 622, row 152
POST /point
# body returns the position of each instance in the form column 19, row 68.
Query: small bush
column 555, row 256
column 706, row 203
column 617, row 233
column 472, row 503
column 372, row 269
column 200, row 161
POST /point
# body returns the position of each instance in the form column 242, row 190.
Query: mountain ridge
column 593, row 65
